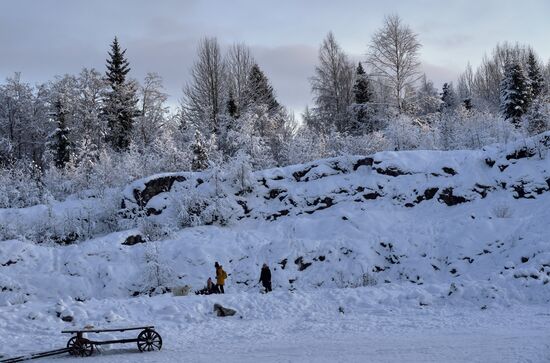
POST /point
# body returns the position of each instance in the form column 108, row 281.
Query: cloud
column 440, row 74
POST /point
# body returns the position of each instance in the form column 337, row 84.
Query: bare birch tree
column 393, row 56
column 204, row 96
column 239, row 62
column 332, row 84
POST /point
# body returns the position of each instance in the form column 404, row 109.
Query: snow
column 390, row 277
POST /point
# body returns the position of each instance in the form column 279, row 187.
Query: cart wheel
column 149, row 340
column 80, row 348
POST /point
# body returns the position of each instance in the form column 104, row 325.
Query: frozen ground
column 305, row 327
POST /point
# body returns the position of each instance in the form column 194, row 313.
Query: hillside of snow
column 360, row 247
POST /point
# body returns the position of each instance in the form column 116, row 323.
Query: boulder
column 222, row 311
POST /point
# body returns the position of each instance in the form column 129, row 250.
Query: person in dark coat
column 265, row 277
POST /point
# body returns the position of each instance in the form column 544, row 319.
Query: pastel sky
column 44, row 38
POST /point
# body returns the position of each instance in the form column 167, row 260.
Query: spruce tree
column 232, row 106
column 534, row 73
column 448, row 97
column 120, row 101
column 514, row 92
column 361, row 88
column 260, row 92
column 200, row 155
column 60, row 143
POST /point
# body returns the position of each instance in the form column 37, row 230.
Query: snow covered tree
column 24, row 115
column 205, row 96
column 239, row 62
column 393, row 56
column 514, row 92
column 464, row 88
column 260, row 91
column 332, row 86
column 153, row 111
column 90, row 128
column 427, row 98
column 534, row 73
column 60, row 137
column 232, row 109
column 200, row 153
column 538, row 115
column 361, row 112
column 119, row 107
column 448, row 97
column 486, row 80
column 158, row 275
column 362, row 90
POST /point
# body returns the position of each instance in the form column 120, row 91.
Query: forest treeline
column 82, row 133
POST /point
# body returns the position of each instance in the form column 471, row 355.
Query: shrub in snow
column 153, row 230
column 157, row 275
column 502, row 211
column 348, row 279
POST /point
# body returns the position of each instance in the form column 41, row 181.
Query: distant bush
column 502, row 211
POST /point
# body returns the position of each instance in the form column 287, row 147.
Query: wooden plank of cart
column 147, row 340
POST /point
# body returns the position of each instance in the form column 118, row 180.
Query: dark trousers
column 267, row 285
column 220, row 287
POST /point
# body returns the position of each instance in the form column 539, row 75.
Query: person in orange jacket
column 221, row 275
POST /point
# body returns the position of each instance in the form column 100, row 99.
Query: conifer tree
column 514, row 92
column 120, row 102
column 60, row 144
column 260, row 91
column 534, row 73
column 361, row 88
column 448, row 97
column 360, row 111
column 232, row 109
column 200, row 155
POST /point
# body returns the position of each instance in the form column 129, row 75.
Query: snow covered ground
column 303, row 327
column 412, row 256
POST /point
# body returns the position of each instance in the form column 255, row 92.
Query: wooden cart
column 147, row 340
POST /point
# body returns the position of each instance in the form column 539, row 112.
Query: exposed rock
column 446, row 196
column 391, row 171
column 280, row 213
column 134, row 239
column 9, row 262
column 520, row 191
column 371, row 196
column 298, row 175
column 301, row 264
column 273, row 193
column 448, row 170
column 489, row 162
column 222, row 311
column 363, row 162
column 430, row 193
column 243, row 204
column 482, row 189
column 521, row 153
column 155, row 187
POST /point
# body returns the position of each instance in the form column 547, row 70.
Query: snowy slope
column 420, row 232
